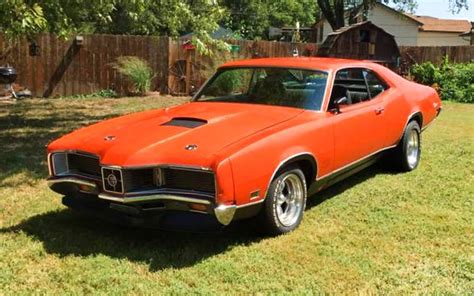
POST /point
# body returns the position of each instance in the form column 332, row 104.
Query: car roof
column 324, row 64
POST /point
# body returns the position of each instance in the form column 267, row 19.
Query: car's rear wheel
column 408, row 151
column 285, row 202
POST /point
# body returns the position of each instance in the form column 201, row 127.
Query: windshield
column 269, row 86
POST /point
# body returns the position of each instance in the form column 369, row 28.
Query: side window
column 376, row 85
column 350, row 83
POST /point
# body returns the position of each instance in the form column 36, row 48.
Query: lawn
column 376, row 232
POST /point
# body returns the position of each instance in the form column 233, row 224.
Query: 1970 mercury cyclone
column 258, row 138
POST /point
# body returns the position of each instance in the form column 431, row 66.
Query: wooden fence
column 64, row 68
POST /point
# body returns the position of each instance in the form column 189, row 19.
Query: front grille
column 138, row 180
column 188, row 180
column 83, row 164
column 141, row 180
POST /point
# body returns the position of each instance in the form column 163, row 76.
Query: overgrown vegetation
column 103, row 93
column 137, row 71
column 454, row 82
column 375, row 233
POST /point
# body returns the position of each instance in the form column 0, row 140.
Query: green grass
column 376, row 232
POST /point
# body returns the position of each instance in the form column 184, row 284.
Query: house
column 408, row 29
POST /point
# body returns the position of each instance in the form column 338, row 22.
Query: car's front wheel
column 285, row 202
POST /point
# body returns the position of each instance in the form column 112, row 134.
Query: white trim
column 280, row 165
column 154, row 197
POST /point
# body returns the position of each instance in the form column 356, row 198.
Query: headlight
column 59, row 163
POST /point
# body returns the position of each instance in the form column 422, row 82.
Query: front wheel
column 285, row 202
column 408, row 151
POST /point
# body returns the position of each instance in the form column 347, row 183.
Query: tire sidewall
column 413, row 125
column 275, row 226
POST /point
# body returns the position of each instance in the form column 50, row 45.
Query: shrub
column 453, row 81
column 137, row 70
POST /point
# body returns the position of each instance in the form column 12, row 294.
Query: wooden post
column 188, row 71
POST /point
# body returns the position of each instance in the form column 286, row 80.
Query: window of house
column 364, row 36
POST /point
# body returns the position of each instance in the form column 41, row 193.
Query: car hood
column 151, row 138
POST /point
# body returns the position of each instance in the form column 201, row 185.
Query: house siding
column 404, row 30
column 441, row 39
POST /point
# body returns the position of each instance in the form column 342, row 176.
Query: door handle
column 379, row 110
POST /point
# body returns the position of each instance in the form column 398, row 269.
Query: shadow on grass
column 27, row 127
column 67, row 233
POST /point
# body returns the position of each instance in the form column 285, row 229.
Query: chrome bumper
column 223, row 213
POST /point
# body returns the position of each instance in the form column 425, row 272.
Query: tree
column 334, row 10
column 20, row 18
column 252, row 18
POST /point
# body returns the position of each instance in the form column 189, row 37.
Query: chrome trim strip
column 170, row 166
column 251, row 203
column 72, row 180
column 169, row 191
column 50, row 170
column 438, row 111
column 406, row 123
column 153, row 197
column 285, row 161
column 355, row 162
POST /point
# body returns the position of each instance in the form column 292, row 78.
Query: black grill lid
column 7, row 75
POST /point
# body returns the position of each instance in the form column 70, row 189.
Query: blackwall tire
column 285, row 202
column 407, row 153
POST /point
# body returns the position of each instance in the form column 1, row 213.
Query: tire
column 406, row 155
column 285, row 202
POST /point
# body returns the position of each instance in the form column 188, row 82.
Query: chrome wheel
column 290, row 196
column 413, row 148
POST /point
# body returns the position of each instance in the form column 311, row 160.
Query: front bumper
column 87, row 191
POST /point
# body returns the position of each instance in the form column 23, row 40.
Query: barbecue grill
column 7, row 77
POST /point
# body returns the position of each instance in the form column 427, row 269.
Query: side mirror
column 337, row 104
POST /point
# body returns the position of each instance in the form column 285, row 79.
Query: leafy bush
column 454, row 81
column 137, row 70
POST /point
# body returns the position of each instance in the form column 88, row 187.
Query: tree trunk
column 333, row 13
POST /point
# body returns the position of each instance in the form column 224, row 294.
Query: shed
column 364, row 41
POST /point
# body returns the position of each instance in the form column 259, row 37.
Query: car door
column 359, row 125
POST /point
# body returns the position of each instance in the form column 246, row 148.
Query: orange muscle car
column 258, row 138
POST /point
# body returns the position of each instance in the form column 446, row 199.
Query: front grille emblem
column 109, row 138
column 191, row 147
column 112, row 180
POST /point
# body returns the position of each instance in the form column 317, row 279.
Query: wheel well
column 307, row 164
column 418, row 117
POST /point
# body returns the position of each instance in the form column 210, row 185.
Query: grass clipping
column 137, row 71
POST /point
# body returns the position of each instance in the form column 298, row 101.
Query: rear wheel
column 285, row 202
column 407, row 153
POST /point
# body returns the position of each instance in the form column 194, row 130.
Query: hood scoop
column 188, row 122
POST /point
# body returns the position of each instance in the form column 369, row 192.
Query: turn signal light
column 86, row 188
column 198, row 207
